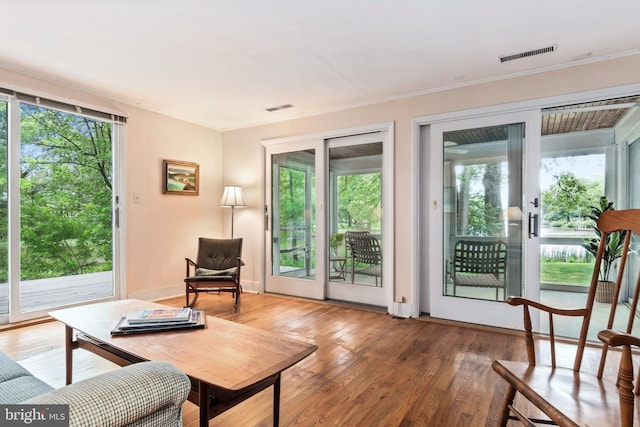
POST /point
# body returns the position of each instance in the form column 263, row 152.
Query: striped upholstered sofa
column 143, row 394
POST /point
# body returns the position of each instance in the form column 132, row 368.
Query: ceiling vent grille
column 279, row 107
column 528, row 53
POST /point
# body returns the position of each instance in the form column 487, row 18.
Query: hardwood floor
column 370, row 368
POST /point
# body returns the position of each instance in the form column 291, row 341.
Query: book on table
column 125, row 327
column 160, row 316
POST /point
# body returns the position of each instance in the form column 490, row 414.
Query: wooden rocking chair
column 570, row 397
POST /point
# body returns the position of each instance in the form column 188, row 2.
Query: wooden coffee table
column 227, row 362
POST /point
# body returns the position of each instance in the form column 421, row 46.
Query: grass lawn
column 566, row 273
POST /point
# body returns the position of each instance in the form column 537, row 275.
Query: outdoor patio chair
column 364, row 249
column 217, row 268
column 480, row 264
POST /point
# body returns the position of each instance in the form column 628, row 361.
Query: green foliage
column 566, row 273
column 613, row 243
column 65, row 194
column 360, row 201
column 336, row 241
column 476, row 225
column 569, row 198
column 292, row 193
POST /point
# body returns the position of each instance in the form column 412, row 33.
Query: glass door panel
column 570, row 184
column 293, row 208
column 356, row 198
column 482, row 217
column 355, row 222
column 66, row 235
column 293, row 201
column 581, row 162
column 483, row 212
column 4, row 209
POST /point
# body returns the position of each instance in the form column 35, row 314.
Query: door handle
column 533, row 225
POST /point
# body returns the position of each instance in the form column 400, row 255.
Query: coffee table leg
column 203, row 399
column 276, row 402
column 68, row 352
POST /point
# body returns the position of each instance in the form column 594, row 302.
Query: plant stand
column 340, row 263
column 604, row 292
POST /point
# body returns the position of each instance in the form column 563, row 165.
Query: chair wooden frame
column 364, row 248
column 217, row 269
column 569, row 396
column 480, row 264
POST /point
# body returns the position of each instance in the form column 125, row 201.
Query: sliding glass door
column 56, row 209
column 509, row 199
column 326, row 231
column 66, row 186
column 487, row 212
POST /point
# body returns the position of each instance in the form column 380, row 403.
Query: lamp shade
column 232, row 196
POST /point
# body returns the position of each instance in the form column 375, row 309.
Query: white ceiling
column 220, row 63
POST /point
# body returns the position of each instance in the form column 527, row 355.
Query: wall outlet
column 399, row 299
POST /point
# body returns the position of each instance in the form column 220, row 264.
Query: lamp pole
column 232, row 208
column 231, row 198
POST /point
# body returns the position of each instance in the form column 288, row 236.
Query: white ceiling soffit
column 221, row 64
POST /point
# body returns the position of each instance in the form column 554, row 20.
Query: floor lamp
column 231, row 198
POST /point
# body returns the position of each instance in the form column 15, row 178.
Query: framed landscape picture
column 180, row 177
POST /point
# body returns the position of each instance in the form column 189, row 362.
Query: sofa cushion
column 10, row 369
column 20, row 389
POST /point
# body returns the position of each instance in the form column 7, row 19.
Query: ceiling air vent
column 280, row 107
column 528, row 53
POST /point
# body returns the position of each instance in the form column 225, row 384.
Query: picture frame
column 180, row 177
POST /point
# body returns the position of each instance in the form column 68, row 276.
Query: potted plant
column 336, row 241
column 612, row 251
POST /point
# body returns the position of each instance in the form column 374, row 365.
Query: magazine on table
column 160, row 315
column 124, row 327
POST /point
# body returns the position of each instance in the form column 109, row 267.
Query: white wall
column 163, row 228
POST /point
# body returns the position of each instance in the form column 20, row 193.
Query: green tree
column 360, row 200
column 569, row 197
column 293, row 211
column 65, row 194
